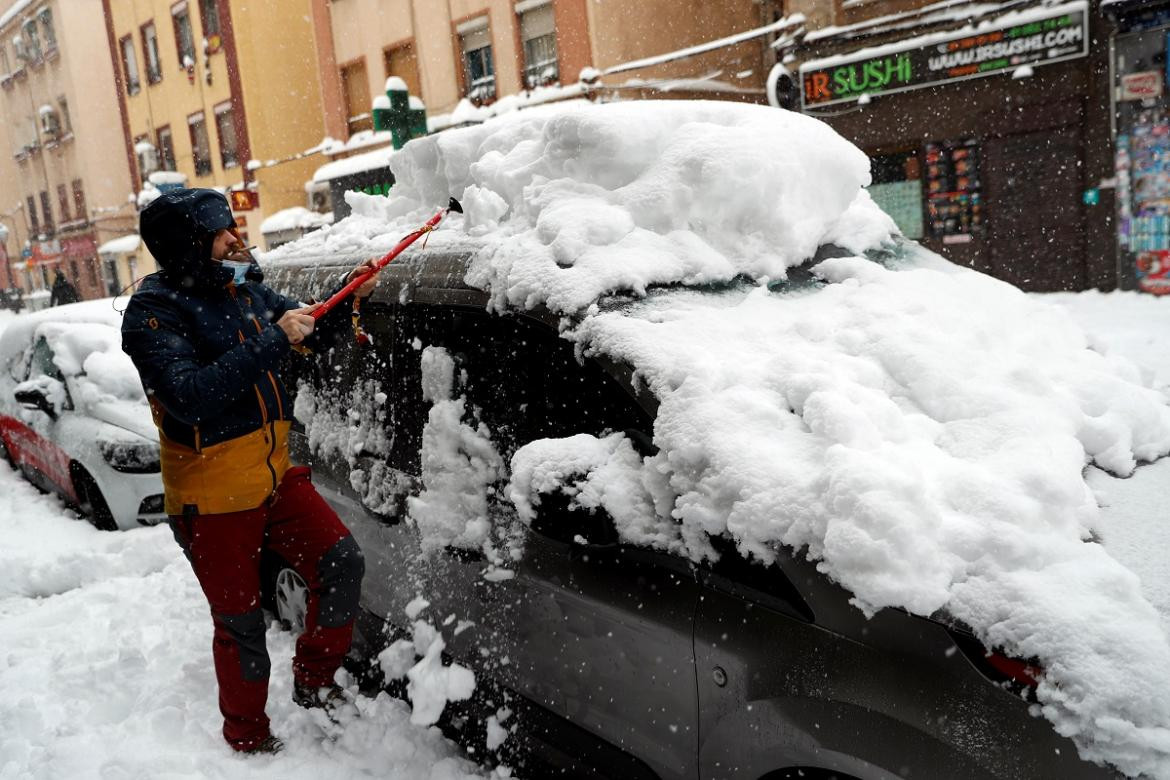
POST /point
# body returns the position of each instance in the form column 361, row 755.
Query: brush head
column 453, row 205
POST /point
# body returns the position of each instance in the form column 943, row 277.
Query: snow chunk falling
column 430, row 683
column 459, row 465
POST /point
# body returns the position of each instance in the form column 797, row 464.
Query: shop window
column 401, row 61
column 538, row 33
column 32, row 41
column 479, row 75
column 63, row 202
column 225, row 126
column 130, row 65
column 66, row 120
column 954, row 204
column 150, row 53
column 91, row 272
column 166, row 148
column 357, row 97
column 47, row 212
column 45, row 18
column 897, row 190
column 79, row 208
column 184, row 39
column 200, row 144
column 34, row 222
column 209, row 13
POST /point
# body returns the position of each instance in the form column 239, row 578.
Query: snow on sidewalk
column 106, row 668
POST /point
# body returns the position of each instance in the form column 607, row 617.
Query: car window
column 524, row 382
column 753, row 580
column 521, row 379
column 42, row 363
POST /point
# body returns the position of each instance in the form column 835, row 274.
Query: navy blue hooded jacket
column 208, row 354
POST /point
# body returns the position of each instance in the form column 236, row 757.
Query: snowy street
column 106, row 667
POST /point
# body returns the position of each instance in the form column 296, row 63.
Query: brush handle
column 379, row 264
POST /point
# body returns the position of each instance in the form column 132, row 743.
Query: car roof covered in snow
column 20, row 329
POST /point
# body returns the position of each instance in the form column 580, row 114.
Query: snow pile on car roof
column 569, row 203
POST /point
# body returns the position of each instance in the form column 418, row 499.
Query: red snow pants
column 225, row 550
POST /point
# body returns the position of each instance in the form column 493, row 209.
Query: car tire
column 90, row 500
column 291, row 597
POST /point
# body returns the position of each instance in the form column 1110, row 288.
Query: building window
column 166, row 148
column 34, row 224
column 897, row 190
column 184, row 40
column 954, row 198
column 479, row 75
column 47, row 212
column 147, row 155
column 357, row 97
column 539, row 35
column 150, row 53
column 63, row 202
column 50, row 123
column 66, row 121
column 4, row 63
column 130, row 65
column 79, row 208
column 225, row 127
column 45, row 17
column 401, row 61
column 209, row 13
column 32, row 41
column 200, row 144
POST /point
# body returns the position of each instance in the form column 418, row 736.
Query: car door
column 595, row 636
column 33, row 434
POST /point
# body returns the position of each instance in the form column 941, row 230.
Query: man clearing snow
column 207, row 338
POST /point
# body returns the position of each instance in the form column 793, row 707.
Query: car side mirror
column 38, row 395
column 33, row 398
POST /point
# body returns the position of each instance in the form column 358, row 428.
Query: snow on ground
column 107, row 668
column 919, row 429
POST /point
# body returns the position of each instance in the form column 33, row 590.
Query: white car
column 74, row 418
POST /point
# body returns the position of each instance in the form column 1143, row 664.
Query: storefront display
column 1142, row 156
column 954, row 201
column 897, row 190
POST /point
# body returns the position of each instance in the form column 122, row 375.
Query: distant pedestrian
column 63, row 291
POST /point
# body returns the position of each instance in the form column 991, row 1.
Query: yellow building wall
column 175, row 97
column 282, row 96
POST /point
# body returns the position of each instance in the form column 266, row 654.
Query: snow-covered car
column 73, row 415
column 703, row 471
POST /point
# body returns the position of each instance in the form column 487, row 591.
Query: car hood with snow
column 920, row 430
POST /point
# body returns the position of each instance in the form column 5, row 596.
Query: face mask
column 238, row 270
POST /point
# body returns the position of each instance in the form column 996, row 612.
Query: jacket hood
column 179, row 227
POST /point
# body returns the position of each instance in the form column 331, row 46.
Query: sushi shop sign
column 1033, row 37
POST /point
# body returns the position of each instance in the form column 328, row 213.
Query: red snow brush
column 382, row 262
